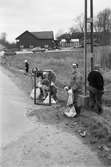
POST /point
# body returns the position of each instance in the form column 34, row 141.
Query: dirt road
column 37, row 144
column 12, row 108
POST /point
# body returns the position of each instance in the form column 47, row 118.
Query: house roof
column 43, row 34
column 2, row 47
column 40, row 35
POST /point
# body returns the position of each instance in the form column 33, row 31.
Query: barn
column 35, row 39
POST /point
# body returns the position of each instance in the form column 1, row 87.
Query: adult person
column 96, row 88
column 76, row 86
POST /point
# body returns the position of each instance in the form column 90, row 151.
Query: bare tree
column 103, row 21
column 79, row 24
column 60, row 32
column 73, row 30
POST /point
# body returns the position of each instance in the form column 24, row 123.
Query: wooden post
column 91, row 25
column 50, row 88
column 35, row 87
column 85, row 44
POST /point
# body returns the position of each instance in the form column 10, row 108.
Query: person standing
column 76, row 86
column 26, row 67
column 96, row 88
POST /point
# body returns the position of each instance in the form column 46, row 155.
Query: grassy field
column 61, row 63
column 98, row 127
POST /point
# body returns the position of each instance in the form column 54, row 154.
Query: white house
column 74, row 43
column 63, row 42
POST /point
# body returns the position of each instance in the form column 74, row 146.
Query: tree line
column 101, row 23
column 4, row 42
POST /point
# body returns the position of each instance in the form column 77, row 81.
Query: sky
column 17, row 16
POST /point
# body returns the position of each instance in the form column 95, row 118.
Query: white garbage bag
column 46, row 101
column 70, row 111
column 37, row 93
column 70, row 97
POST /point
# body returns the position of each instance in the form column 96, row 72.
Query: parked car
column 9, row 52
column 38, row 49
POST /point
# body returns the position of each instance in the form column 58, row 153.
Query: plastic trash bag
column 70, row 111
column 46, row 101
column 70, row 97
column 38, row 92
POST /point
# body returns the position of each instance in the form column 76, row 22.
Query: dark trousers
column 27, row 69
column 96, row 99
column 75, row 101
column 54, row 92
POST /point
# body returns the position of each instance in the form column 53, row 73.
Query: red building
column 35, row 39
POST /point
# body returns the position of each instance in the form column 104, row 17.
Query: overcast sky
column 17, row 16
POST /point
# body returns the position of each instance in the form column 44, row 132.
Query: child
column 26, row 66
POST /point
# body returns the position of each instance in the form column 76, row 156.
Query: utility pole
column 91, row 27
column 85, row 44
column 49, row 88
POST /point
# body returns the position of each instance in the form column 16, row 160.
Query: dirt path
column 48, row 146
column 12, row 108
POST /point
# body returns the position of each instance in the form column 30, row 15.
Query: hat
column 75, row 65
column 25, row 61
